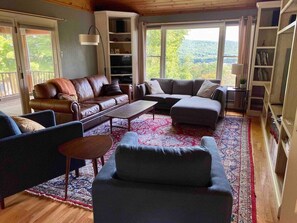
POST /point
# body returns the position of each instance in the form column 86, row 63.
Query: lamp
column 237, row 69
column 93, row 39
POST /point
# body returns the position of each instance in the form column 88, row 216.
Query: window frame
column 221, row 42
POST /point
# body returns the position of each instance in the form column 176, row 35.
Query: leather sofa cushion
column 83, row 89
column 182, row 87
column 45, row 91
column 96, row 82
column 166, row 84
column 163, row 165
column 121, row 99
column 88, row 109
column 8, row 127
column 104, row 102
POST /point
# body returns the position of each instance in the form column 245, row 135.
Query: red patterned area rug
column 232, row 136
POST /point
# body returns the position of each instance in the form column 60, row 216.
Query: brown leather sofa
column 90, row 106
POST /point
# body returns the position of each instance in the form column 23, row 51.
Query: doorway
column 28, row 56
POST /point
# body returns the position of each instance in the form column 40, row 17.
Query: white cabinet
column 119, row 39
column 263, row 54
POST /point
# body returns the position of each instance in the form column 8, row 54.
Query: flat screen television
column 118, row 61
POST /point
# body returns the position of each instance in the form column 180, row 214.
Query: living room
column 173, row 44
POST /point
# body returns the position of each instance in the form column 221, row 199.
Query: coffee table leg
column 102, row 160
column 129, row 124
column 154, row 114
column 110, row 121
column 67, row 175
column 95, row 167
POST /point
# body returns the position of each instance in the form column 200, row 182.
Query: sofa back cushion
column 163, row 165
column 45, row 90
column 96, row 82
column 182, row 87
column 165, row 84
column 8, row 127
column 83, row 89
column 198, row 83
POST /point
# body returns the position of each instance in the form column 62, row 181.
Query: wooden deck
column 11, row 106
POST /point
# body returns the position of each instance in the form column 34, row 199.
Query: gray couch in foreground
column 146, row 184
column 185, row 107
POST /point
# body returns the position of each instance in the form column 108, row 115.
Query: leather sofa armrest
column 140, row 91
column 62, row 106
column 127, row 89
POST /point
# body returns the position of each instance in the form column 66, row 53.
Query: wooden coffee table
column 131, row 111
column 89, row 147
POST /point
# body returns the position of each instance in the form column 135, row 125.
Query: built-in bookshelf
column 279, row 114
column 119, row 37
column 263, row 54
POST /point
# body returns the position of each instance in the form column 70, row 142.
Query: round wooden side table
column 89, row 147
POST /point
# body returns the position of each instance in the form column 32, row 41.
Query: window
column 192, row 52
column 153, row 53
column 230, row 54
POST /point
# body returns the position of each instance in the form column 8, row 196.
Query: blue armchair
column 29, row 159
column 146, row 184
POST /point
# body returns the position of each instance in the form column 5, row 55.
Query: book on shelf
column 262, row 58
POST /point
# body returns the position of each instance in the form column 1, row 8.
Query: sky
column 212, row 34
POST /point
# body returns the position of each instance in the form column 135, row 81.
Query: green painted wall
column 77, row 60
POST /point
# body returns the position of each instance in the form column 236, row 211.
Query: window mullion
column 163, row 52
column 221, row 49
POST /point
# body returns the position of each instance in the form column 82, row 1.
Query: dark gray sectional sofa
column 185, row 107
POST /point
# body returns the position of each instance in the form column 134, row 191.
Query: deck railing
column 9, row 82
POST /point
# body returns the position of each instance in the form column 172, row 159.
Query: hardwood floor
column 22, row 207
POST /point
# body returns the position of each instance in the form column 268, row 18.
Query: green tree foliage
column 39, row 50
column 188, row 59
column 7, row 57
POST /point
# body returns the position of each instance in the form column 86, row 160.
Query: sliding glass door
column 28, row 56
column 10, row 101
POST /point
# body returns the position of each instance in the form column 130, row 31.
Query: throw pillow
column 111, row 89
column 154, row 87
column 207, row 88
column 68, row 97
column 27, row 125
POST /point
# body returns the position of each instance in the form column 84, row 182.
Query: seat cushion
column 182, row 87
column 172, row 99
column 156, row 97
column 196, row 110
column 88, row 109
column 163, row 165
column 104, row 102
column 8, row 126
column 121, row 99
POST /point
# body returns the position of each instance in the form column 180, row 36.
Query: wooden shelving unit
column 119, row 37
column 279, row 114
column 263, row 55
